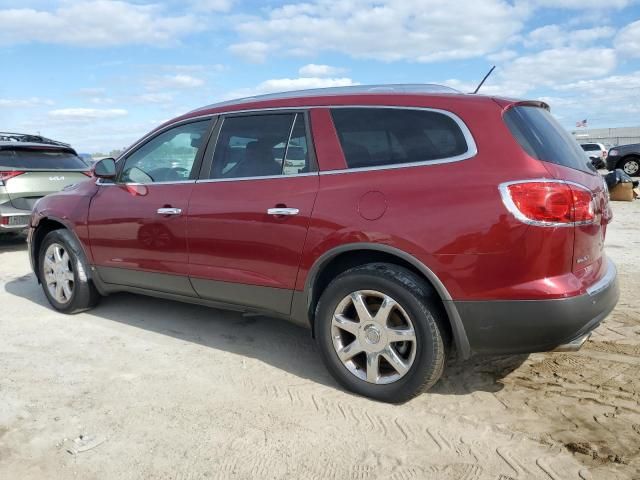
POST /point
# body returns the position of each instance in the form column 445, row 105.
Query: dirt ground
column 145, row 388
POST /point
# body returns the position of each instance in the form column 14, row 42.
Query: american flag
column 581, row 123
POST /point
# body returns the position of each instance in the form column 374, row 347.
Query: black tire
column 84, row 294
column 420, row 303
column 631, row 164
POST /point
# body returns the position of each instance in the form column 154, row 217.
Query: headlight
column 613, row 152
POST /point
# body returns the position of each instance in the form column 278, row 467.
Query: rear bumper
column 13, row 219
column 527, row 326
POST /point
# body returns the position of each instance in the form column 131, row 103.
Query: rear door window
column 41, row 159
column 542, row 137
column 372, row 137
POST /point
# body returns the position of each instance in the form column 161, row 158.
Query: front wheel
column 63, row 273
column 380, row 332
column 631, row 167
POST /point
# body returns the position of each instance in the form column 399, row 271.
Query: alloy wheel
column 58, row 273
column 631, row 167
column 373, row 337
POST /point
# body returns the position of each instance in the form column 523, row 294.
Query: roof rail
column 27, row 137
column 418, row 88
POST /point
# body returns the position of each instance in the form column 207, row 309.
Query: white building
column 611, row 137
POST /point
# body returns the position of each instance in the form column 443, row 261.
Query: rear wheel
column 631, row 166
column 63, row 273
column 379, row 332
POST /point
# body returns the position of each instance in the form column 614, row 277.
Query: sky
column 100, row 74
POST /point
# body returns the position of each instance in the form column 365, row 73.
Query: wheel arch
column 344, row 257
column 45, row 226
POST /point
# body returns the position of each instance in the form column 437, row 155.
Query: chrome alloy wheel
column 373, row 337
column 58, row 273
column 631, row 167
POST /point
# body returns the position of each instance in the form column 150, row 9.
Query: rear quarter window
column 373, row 137
column 41, row 159
column 542, row 137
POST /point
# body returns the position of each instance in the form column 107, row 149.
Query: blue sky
column 99, row 74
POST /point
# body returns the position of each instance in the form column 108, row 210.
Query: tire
column 71, row 268
column 631, row 166
column 416, row 309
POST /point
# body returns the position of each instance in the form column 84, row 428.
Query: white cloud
column 94, row 23
column 158, row 98
column 627, row 41
column 385, row 30
column 254, row 52
column 86, row 114
column 557, row 36
column 584, row 4
column 288, row 84
column 560, row 65
column 314, row 70
column 212, row 5
column 178, row 81
column 502, row 56
column 24, row 102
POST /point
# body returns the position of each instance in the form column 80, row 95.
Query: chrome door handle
column 283, row 211
column 169, row 211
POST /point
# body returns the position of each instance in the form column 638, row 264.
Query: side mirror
column 105, row 168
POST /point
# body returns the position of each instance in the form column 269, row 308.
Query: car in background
column 31, row 167
column 625, row 157
column 596, row 152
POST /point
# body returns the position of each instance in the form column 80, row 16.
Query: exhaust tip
column 573, row 345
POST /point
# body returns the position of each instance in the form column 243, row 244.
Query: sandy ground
column 145, row 388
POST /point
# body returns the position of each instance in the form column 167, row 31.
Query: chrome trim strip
column 513, row 209
column 608, row 278
column 99, row 182
column 266, row 177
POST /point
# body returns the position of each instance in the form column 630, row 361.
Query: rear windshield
column 41, row 159
column 372, row 137
column 590, row 147
column 542, row 137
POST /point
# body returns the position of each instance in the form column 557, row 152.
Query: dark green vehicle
column 31, row 167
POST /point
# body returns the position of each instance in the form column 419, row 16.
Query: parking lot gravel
column 145, row 388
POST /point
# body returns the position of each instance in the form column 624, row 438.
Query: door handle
column 283, row 211
column 169, row 211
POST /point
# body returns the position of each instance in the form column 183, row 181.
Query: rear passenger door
column 250, row 210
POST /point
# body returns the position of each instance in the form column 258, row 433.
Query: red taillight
column 549, row 203
column 4, row 176
column 604, row 154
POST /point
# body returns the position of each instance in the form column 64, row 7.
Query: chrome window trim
column 114, row 184
column 472, row 149
column 513, row 209
column 266, row 177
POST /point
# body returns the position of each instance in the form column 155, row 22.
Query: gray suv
column 31, row 167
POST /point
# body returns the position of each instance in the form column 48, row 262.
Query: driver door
column 137, row 224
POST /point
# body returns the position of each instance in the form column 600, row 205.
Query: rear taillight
column 4, row 176
column 604, row 154
column 549, row 202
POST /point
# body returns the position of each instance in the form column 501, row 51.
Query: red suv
column 396, row 222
